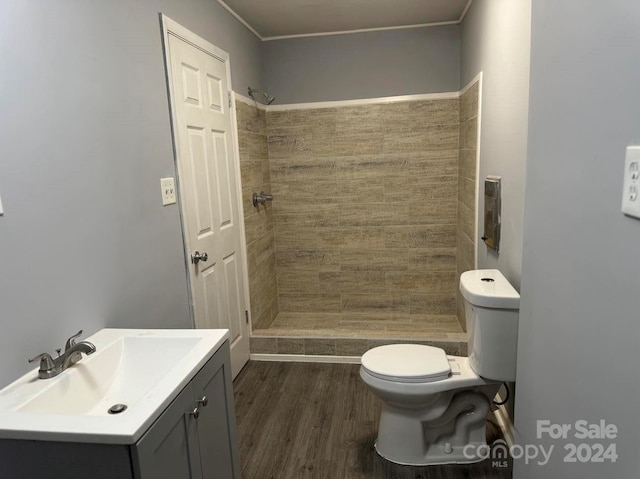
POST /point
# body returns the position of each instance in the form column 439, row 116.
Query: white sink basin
column 142, row 369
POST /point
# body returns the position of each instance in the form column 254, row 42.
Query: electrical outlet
column 168, row 186
column 631, row 185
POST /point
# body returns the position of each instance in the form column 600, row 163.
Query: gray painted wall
column 85, row 135
column 363, row 65
column 579, row 328
column 496, row 41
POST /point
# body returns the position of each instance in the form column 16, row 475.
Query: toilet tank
column 491, row 309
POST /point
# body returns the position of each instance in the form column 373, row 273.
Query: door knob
column 197, row 257
column 203, row 402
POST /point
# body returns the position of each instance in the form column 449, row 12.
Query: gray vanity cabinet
column 178, row 445
column 216, row 425
column 169, row 449
column 195, row 437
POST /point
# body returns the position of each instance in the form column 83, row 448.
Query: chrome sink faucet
column 50, row 367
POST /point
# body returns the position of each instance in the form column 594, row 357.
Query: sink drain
column 117, row 408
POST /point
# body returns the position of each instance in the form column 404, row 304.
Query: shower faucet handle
column 261, row 198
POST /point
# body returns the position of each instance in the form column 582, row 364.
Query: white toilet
column 433, row 404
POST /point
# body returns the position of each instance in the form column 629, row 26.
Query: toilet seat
column 407, row 363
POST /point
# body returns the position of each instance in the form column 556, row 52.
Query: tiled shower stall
column 372, row 222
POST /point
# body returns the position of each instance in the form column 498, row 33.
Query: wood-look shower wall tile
column 263, row 281
column 292, row 237
column 434, row 191
column 377, row 320
column 419, row 302
column 433, row 169
column 250, row 119
column 261, row 251
column 258, row 225
column 432, row 282
column 419, row 236
column 436, row 136
column 263, row 345
column 370, row 166
column 467, row 192
column 413, row 189
column 433, row 259
column 467, row 174
column 339, row 282
column 465, row 257
column 290, row 346
column 325, row 347
column 251, row 174
column 469, row 134
column 357, row 191
column 262, row 296
column 376, row 303
column 300, row 169
column 468, row 165
column 347, row 143
column 305, row 260
column 252, row 146
column 318, row 215
column 355, row 237
column 259, row 234
column 432, row 212
column 293, row 193
column 351, row 347
column 298, row 281
column 419, row 115
column 466, row 221
column 291, row 146
column 373, row 214
column 310, row 302
column 374, row 259
column 469, row 103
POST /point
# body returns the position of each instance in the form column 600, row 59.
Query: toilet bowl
column 434, row 406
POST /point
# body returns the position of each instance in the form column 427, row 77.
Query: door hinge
column 246, row 316
column 229, row 96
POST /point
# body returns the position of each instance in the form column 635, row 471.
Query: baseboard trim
column 305, row 358
column 506, row 426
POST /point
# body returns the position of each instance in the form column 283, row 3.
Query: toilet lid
column 407, row 363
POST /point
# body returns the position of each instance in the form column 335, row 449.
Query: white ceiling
column 270, row 19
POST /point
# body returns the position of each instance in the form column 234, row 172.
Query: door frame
column 170, row 27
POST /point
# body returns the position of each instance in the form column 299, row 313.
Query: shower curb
column 342, row 347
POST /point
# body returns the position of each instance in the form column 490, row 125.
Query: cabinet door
column 217, row 421
column 169, row 449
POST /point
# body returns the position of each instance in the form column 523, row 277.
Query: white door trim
column 170, row 27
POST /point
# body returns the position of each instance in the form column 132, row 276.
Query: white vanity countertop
column 143, row 368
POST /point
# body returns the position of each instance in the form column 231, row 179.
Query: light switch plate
column 631, row 186
column 168, row 186
column 1, row 209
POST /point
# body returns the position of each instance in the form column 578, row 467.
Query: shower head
column 268, row 99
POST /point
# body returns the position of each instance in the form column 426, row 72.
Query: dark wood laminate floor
column 319, row 421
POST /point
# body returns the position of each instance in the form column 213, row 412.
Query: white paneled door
column 208, row 176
